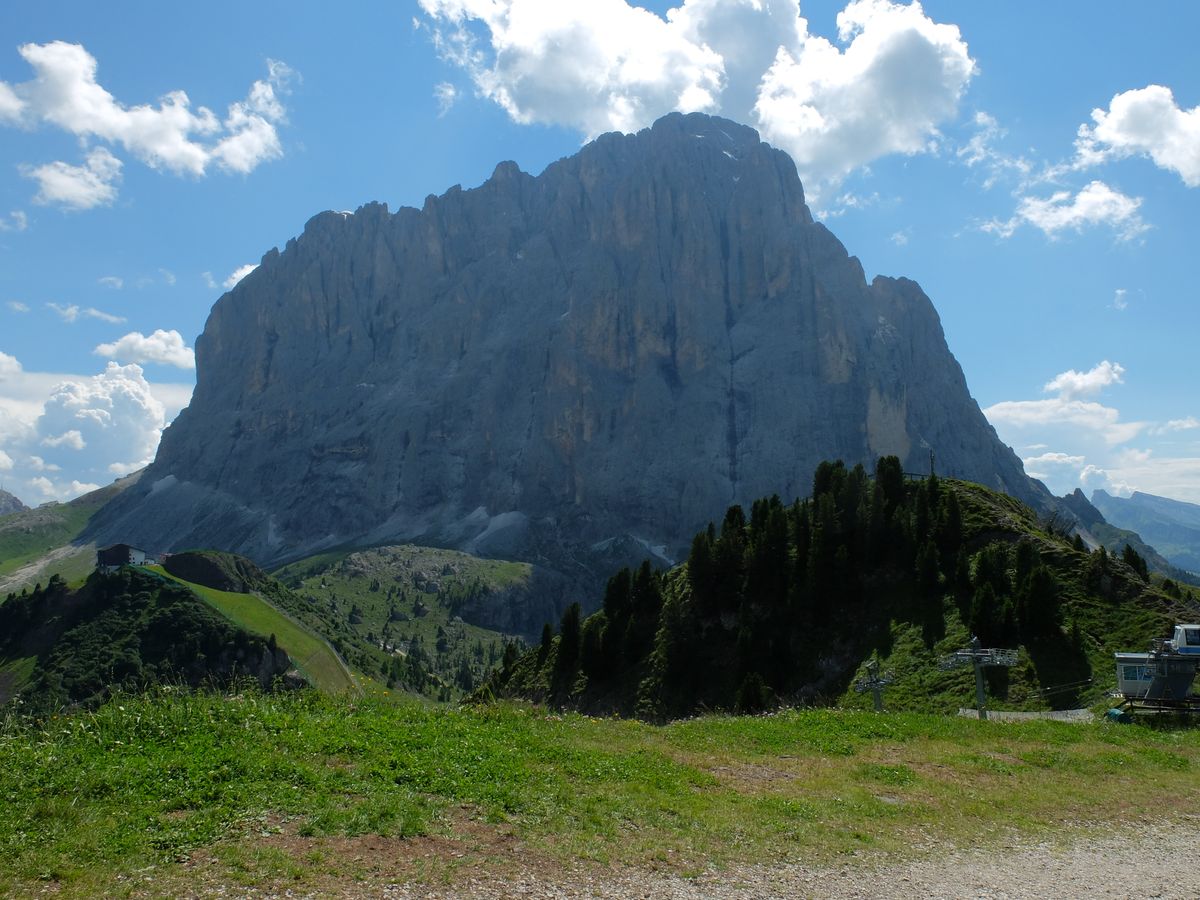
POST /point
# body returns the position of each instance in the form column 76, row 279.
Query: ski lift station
column 1164, row 675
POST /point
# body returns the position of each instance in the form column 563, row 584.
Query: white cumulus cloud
column 1071, row 385
column 114, row 415
column 596, row 66
column 834, row 111
column 609, row 65
column 9, row 366
column 164, row 347
column 171, row 136
column 77, row 187
column 111, row 281
column 15, row 221
column 1149, row 122
column 72, row 440
column 76, row 431
column 1095, row 205
column 1088, row 417
column 18, row 307
column 1046, row 465
column 238, row 274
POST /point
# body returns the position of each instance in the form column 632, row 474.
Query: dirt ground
column 1152, row 860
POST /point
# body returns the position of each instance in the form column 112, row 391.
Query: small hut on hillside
column 109, row 559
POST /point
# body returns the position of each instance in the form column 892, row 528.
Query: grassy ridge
column 143, row 781
column 31, row 534
column 310, row 654
column 408, row 600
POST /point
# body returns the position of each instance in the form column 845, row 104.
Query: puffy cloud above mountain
column 596, row 66
column 607, row 64
column 164, row 347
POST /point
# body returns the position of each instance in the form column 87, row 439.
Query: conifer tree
column 1134, row 560
column 566, row 663
column 889, row 476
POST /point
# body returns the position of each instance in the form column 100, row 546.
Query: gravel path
column 1152, row 861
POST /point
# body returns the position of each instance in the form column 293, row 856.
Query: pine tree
column 547, row 642
column 566, row 663
column 1134, row 560
column 889, row 476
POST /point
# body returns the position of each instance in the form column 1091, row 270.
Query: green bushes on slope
column 122, row 631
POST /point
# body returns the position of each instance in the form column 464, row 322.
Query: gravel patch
column 1160, row 860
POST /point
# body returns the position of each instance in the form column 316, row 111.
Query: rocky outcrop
column 1078, row 505
column 10, row 504
column 553, row 368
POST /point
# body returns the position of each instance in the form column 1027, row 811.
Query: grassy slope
column 311, row 655
column 425, row 586
column 1106, row 625
column 30, row 535
column 277, row 786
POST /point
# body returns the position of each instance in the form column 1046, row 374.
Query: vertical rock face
column 602, row 356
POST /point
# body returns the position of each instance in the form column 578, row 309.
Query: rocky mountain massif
column 574, row 369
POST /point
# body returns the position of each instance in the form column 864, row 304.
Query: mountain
column 1097, row 531
column 569, row 369
column 10, row 504
column 1172, row 526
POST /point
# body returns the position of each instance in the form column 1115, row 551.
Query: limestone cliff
column 589, row 363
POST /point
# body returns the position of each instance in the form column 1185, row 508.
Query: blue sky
column 940, row 141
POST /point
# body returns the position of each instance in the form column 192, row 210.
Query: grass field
column 286, row 791
column 404, row 595
column 30, row 535
column 310, row 654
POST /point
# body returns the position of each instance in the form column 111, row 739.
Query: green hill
column 788, row 603
column 409, row 611
column 311, row 655
column 126, row 631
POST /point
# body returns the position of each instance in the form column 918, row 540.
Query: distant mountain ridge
column 556, row 369
column 1172, row 526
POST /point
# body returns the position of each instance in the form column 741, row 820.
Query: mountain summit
column 606, row 355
